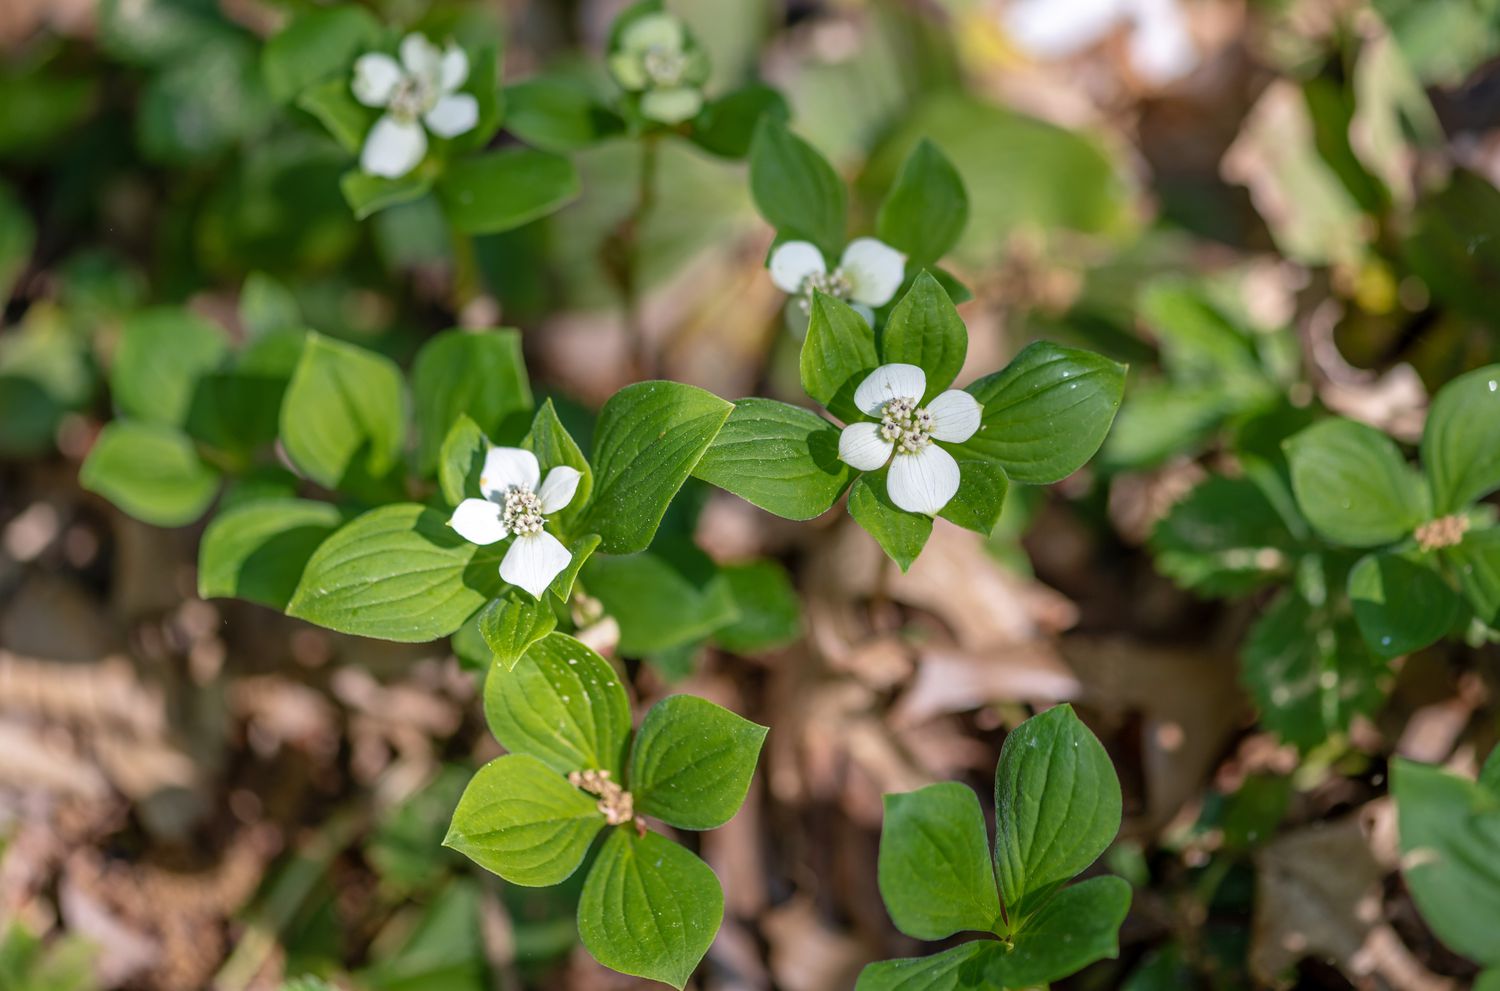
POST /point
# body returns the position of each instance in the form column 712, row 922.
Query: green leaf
column 649, row 439
column 1476, row 561
column 1489, row 774
column 838, row 353
column 980, row 498
column 163, row 355
column 1079, row 925
column 461, row 459
column 257, row 550
column 925, row 330
column 663, row 597
column 1489, row 980
column 267, row 306
column 369, row 194
column 1460, row 445
column 1057, row 804
column 484, row 85
column 150, row 471
column 580, row 549
column 1224, row 539
column 398, row 573
column 481, row 374
column 795, row 188
column 1450, row 855
column 925, row 211
column 563, row 704
column 343, row 417
column 649, row 908
column 520, row 819
column 692, row 762
column 782, row 458
column 960, row 968
column 315, row 45
column 550, row 441
column 17, row 239
column 512, row 623
column 1353, row 485
column 501, row 190
column 901, row 535
column 1400, row 602
column 935, row 871
column 558, row 115
column 1047, row 412
column 347, row 121
column 769, row 612
column 726, row 127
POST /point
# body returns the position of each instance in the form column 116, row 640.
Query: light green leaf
column 838, row 353
column 267, row 306
column 649, row 908
column 501, row 190
column 164, row 354
column 925, row 330
column 1047, row 412
column 558, row 115
column 343, row 417
column 769, row 612
column 784, row 459
column 663, row 597
column 347, row 121
column 980, row 498
column 315, row 45
column 925, row 211
column 1057, row 804
column 562, row 704
column 461, row 459
column 1353, row 485
column 901, row 535
column 1400, row 602
column 150, row 471
column 580, row 549
column 650, row 437
column 960, row 968
column 522, row 820
column 369, row 194
column 935, row 871
column 795, row 188
column 398, row 573
column 1460, row 445
column 550, row 441
column 512, row 623
column 481, row 374
column 1079, row 925
column 1450, row 855
column 1476, row 561
column 692, row 762
column 257, row 550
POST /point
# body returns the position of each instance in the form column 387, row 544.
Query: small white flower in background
column 1160, row 46
column 421, row 89
column 514, row 505
column 867, row 276
column 656, row 59
column 923, row 476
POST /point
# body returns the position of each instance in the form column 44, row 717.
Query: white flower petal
column 376, row 77
column 421, row 57
column 660, row 31
column 793, row 262
column 454, row 69
column 506, row 468
column 889, row 382
column 1046, row 29
column 874, row 269
column 862, row 447
column 393, row 148
column 533, row 561
column 453, row 115
column 923, row 482
column 673, row 105
column 955, row 416
column 557, row 491
column 478, row 521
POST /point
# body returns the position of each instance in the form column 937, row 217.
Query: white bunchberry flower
column 420, row 89
column 923, row 476
column 867, row 276
column 514, row 505
column 655, row 58
column 1160, row 46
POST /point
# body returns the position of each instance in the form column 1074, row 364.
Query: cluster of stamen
column 1445, row 531
column 615, row 803
column 905, row 424
column 411, row 98
column 834, row 283
column 664, row 67
column 523, row 512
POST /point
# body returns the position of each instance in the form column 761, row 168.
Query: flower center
column 834, row 283
column 616, row 804
column 412, row 98
column 523, row 512
column 1446, row 531
column 664, row 67
column 905, row 424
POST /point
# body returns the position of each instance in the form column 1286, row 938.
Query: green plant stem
column 624, row 259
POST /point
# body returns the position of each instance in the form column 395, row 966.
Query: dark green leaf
column 558, row 115
column 901, row 535
column 512, row 623
column 1224, row 538
column 782, row 458
column 1476, row 561
column 925, row 330
column 960, row 968
column 726, row 127
column 347, row 120
column 550, row 441
column 1353, row 485
column 935, row 871
column 369, row 194
column 461, row 459
column 692, row 762
column 795, row 188
column 481, row 374
column 837, row 355
column 315, row 45
column 925, row 211
column 257, row 550
column 501, row 190
column 1400, row 602
column 663, row 597
column 1079, row 925
column 769, row 612
column 980, row 498
column 1460, row 445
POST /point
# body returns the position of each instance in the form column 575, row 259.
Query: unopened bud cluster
column 615, row 803
column 1445, row 531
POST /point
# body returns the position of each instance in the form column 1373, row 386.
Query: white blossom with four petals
column 923, row 476
column 514, row 505
column 867, row 276
column 421, row 89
